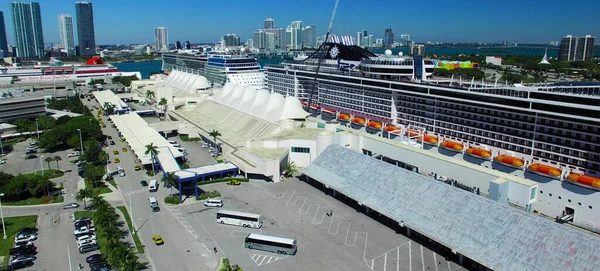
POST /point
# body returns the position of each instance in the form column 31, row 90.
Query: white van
column 121, row 171
column 154, row 204
column 153, row 187
column 214, row 203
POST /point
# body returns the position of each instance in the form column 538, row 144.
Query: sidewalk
column 110, row 197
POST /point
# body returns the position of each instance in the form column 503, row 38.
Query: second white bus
column 247, row 220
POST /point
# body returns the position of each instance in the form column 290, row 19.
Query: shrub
column 188, row 138
column 209, row 195
column 223, row 180
column 184, row 166
column 224, row 266
column 172, row 199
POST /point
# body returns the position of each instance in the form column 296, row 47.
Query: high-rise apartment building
column 231, row 40
column 360, row 36
column 269, row 41
column 405, row 40
column 3, row 40
column 269, row 23
column 576, row 48
column 65, row 28
column 417, row 50
column 371, row 41
column 309, row 36
column 388, row 37
column 27, row 22
column 294, row 34
column 85, row 28
column 178, row 45
column 250, row 43
column 161, row 39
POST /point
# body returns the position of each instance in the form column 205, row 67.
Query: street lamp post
column 37, row 128
column 42, row 164
column 80, row 141
column 2, row 214
column 1, row 147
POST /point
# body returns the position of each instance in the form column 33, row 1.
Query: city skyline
column 466, row 21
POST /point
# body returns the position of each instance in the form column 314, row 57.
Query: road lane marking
column 422, row 259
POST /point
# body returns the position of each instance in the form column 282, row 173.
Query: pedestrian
column 215, row 249
column 80, row 266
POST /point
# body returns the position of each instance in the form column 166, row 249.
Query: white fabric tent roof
column 110, row 97
column 186, row 81
column 259, row 103
column 138, row 134
column 191, row 172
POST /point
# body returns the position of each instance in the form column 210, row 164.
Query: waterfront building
column 65, row 28
column 27, row 23
column 178, row 45
column 270, row 42
column 360, row 35
column 417, row 49
column 405, row 40
column 231, row 40
column 85, row 28
column 269, row 23
column 494, row 60
column 161, row 39
column 309, row 36
column 388, row 37
column 260, row 40
column 576, row 48
column 371, row 41
column 379, row 42
column 294, row 34
column 250, row 43
column 3, row 40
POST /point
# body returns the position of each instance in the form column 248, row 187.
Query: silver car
column 71, row 205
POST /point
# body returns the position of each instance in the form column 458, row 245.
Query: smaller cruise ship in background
column 219, row 67
column 56, row 70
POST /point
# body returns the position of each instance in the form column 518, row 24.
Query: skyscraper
column 269, row 23
column 85, row 28
column 309, row 36
column 161, row 39
column 231, row 40
column 576, row 48
column 178, row 45
column 388, row 37
column 27, row 21
column 65, row 28
column 294, row 32
column 359, row 38
column 405, row 40
column 3, row 41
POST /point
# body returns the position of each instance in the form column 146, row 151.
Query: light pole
column 37, row 128
column 1, row 147
column 42, row 164
column 80, row 141
column 2, row 214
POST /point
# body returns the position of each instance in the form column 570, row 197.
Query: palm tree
column 152, row 150
column 170, row 178
column 130, row 263
column 117, row 254
column 98, row 201
column 150, row 94
column 215, row 134
column 108, row 108
column 57, row 158
column 163, row 102
column 290, row 169
column 48, row 160
column 82, row 194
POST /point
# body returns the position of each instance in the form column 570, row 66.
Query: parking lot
column 347, row 239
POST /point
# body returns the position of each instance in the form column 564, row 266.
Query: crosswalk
column 135, row 192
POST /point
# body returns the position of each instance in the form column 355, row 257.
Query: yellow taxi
column 137, row 167
column 234, row 182
column 157, row 239
column 117, row 160
column 123, row 139
column 115, row 152
column 124, row 149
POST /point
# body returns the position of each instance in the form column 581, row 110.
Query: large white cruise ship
column 545, row 133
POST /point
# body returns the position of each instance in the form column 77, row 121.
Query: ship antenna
column 312, row 91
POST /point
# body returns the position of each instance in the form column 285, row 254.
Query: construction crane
column 315, row 82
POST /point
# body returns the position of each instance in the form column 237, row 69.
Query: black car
column 20, row 265
column 23, row 253
column 27, row 230
column 93, row 258
column 31, row 156
column 98, row 265
column 112, row 142
column 84, row 219
column 31, row 250
column 80, row 224
column 87, row 248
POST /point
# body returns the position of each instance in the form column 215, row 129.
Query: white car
column 25, row 238
column 86, row 237
column 84, row 230
column 2, row 161
column 23, row 243
column 73, row 154
column 86, row 242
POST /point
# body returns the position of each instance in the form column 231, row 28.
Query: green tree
column 24, row 125
column 63, row 120
column 214, row 134
column 46, row 122
column 48, row 159
column 152, row 151
column 169, row 178
column 57, row 159
column 290, row 169
column 82, row 194
column 108, row 108
column 98, row 201
column 150, row 94
column 92, row 151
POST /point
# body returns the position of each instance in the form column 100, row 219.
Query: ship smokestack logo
column 334, row 52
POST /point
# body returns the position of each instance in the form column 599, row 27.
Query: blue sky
column 530, row 21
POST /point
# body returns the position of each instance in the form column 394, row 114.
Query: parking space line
column 435, row 262
column 422, row 258
column 449, row 267
column 263, row 259
column 398, row 259
column 385, row 262
column 409, row 256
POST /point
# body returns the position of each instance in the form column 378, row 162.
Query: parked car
column 112, row 142
column 73, row 154
column 20, row 264
column 117, row 160
column 20, row 253
column 27, row 230
column 2, row 161
column 86, row 237
column 71, row 205
column 85, row 229
column 92, row 258
column 143, row 183
column 23, row 258
column 84, row 219
column 30, row 250
column 86, row 242
column 23, row 243
column 124, row 149
column 25, row 237
column 115, row 152
column 31, row 156
column 88, row 248
column 137, row 167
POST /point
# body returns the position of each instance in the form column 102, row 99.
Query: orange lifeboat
column 428, row 139
column 343, row 117
column 392, row 129
column 377, row 125
column 312, row 106
column 328, row 110
column 545, row 170
column 584, row 181
column 411, row 133
column 479, row 153
column 510, row 161
column 359, row 121
column 452, row 146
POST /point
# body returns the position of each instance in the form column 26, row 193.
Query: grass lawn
column 50, row 173
column 136, row 239
column 112, row 181
column 102, row 190
column 13, row 224
column 36, row 201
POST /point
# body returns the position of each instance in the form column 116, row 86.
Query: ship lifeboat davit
column 545, row 170
column 428, row 139
column 328, row 111
column 584, row 181
column 452, row 146
column 479, row 153
column 343, row 117
column 392, row 129
column 312, row 106
column 359, row 121
column 510, row 161
column 377, row 125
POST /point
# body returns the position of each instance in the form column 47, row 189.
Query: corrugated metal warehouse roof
column 495, row 235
